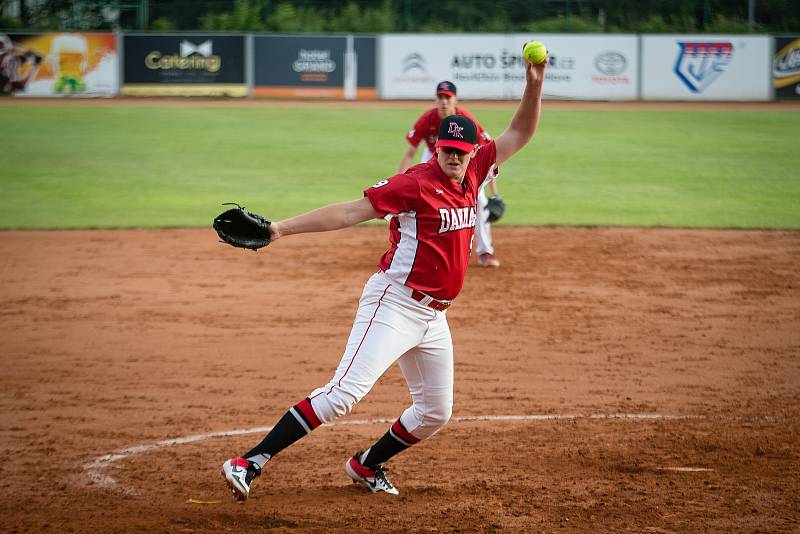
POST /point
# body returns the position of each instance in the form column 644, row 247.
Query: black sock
column 396, row 440
column 296, row 423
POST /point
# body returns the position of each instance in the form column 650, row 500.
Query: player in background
column 401, row 317
column 426, row 129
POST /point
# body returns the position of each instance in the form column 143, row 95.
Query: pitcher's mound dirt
column 119, row 339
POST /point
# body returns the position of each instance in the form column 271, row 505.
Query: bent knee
column 439, row 417
column 432, row 420
column 333, row 405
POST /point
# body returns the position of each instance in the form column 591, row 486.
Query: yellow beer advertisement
column 60, row 64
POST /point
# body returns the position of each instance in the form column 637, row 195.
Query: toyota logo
column 611, row 63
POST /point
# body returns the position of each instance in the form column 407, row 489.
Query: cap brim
column 461, row 145
column 448, row 93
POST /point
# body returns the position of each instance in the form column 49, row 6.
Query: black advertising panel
column 365, row 52
column 305, row 61
column 188, row 64
column 786, row 67
column 313, row 66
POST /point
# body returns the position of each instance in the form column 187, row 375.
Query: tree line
column 376, row 16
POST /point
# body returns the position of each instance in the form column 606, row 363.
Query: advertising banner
column 706, row 67
column 490, row 66
column 366, row 67
column 59, row 64
column 184, row 65
column 310, row 66
column 786, row 67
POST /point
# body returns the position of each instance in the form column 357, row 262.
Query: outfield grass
column 162, row 166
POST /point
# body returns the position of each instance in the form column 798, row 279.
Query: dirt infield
column 667, row 362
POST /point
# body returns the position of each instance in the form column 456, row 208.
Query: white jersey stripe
column 406, row 252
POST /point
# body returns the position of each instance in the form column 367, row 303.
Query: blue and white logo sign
column 699, row 64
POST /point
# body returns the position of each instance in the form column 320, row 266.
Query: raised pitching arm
column 526, row 118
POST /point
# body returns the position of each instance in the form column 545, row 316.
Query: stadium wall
column 405, row 66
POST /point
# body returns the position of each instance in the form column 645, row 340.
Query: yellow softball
column 534, row 51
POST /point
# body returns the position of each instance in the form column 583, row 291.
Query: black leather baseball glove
column 496, row 208
column 241, row 228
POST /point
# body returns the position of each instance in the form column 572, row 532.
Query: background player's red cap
column 446, row 88
column 458, row 131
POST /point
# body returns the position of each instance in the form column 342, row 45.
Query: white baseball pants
column 390, row 326
column 483, row 228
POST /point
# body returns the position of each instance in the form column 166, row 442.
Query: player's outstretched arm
column 526, row 119
column 330, row 217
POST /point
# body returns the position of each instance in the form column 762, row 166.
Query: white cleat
column 239, row 474
column 374, row 479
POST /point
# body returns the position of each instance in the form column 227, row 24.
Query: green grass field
column 79, row 166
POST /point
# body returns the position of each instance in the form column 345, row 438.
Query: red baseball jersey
column 427, row 128
column 432, row 221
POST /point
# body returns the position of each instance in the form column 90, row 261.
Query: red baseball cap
column 446, row 88
column 458, row 131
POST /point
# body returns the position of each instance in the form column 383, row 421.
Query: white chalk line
column 94, row 469
column 685, row 469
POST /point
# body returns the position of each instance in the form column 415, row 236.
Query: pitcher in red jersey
column 402, row 314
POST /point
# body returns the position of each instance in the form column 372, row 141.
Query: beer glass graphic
column 69, row 57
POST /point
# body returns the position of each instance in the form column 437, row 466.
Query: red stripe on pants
column 380, row 300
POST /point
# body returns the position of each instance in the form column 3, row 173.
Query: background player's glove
column 496, row 208
column 242, row 228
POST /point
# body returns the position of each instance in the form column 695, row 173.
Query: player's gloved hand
column 241, row 228
column 496, row 208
